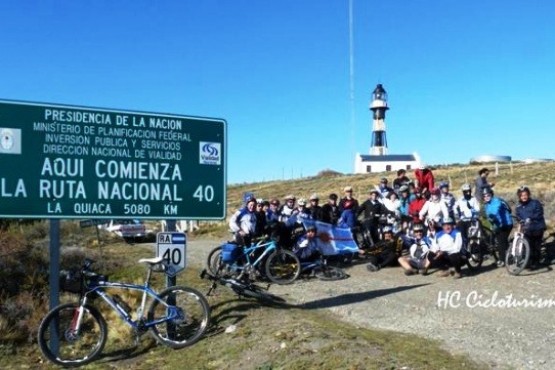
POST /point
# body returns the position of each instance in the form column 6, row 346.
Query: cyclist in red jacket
column 425, row 179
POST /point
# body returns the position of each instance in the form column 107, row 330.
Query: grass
column 264, row 337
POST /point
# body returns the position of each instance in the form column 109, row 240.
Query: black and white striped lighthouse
column 378, row 106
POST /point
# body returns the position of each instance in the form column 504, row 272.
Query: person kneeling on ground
column 306, row 248
column 417, row 259
column 383, row 253
column 445, row 251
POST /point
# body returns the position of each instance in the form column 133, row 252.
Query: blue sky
column 464, row 78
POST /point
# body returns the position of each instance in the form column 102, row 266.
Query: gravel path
column 465, row 315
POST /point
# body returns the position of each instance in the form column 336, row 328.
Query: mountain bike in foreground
column 74, row 334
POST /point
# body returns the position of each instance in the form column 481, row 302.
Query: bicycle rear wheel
column 329, row 273
column 192, row 316
column 517, row 256
column 61, row 342
column 283, row 267
column 214, row 260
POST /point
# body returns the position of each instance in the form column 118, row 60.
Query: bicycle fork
column 76, row 321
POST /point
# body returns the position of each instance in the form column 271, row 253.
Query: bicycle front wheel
column 191, row 315
column 517, row 256
column 283, row 267
column 67, row 345
column 474, row 256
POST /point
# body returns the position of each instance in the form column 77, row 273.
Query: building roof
column 388, row 158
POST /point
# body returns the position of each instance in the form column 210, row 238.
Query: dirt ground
column 482, row 315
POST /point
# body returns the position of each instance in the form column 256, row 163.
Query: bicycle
column 279, row 265
column 480, row 244
column 74, row 334
column 518, row 253
column 243, row 288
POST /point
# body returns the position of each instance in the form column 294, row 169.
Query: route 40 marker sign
column 171, row 247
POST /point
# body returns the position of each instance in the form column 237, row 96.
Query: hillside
column 540, row 177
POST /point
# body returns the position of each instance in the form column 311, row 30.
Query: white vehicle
column 127, row 229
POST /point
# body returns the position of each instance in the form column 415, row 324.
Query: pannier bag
column 230, row 252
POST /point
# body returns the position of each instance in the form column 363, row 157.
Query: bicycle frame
column 269, row 246
column 99, row 289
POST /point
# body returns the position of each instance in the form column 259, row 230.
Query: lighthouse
column 379, row 160
column 378, row 106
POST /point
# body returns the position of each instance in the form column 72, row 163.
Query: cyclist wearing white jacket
column 434, row 209
column 446, row 248
column 466, row 208
column 243, row 223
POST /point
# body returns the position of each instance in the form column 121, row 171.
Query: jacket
column 425, row 179
column 243, row 220
column 467, row 208
column 532, row 211
column 449, row 243
column 434, row 210
column 414, row 208
column 498, row 213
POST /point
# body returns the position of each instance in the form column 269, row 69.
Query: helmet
column 333, row 196
column 487, row 191
column 290, row 197
column 422, row 166
column 275, row 202
column 435, row 191
column 387, row 229
column 347, row 189
column 250, row 199
column 383, row 180
column 314, row 197
column 376, row 191
column 418, row 227
column 403, row 188
column 443, row 184
column 301, row 202
column 448, row 220
column 522, row 189
column 260, row 201
column 466, row 187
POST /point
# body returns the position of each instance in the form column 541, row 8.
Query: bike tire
column 73, row 349
column 517, row 256
column 214, row 260
column 192, row 321
column 329, row 273
column 283, row 267
column 474, row 256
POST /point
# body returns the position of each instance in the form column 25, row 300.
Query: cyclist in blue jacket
column 499, row 214
column 530, row 212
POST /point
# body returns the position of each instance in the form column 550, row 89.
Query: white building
column 378, row 160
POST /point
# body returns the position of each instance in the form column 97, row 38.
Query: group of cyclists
column 427, row 220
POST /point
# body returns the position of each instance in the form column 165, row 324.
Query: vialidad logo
column 210, row 153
